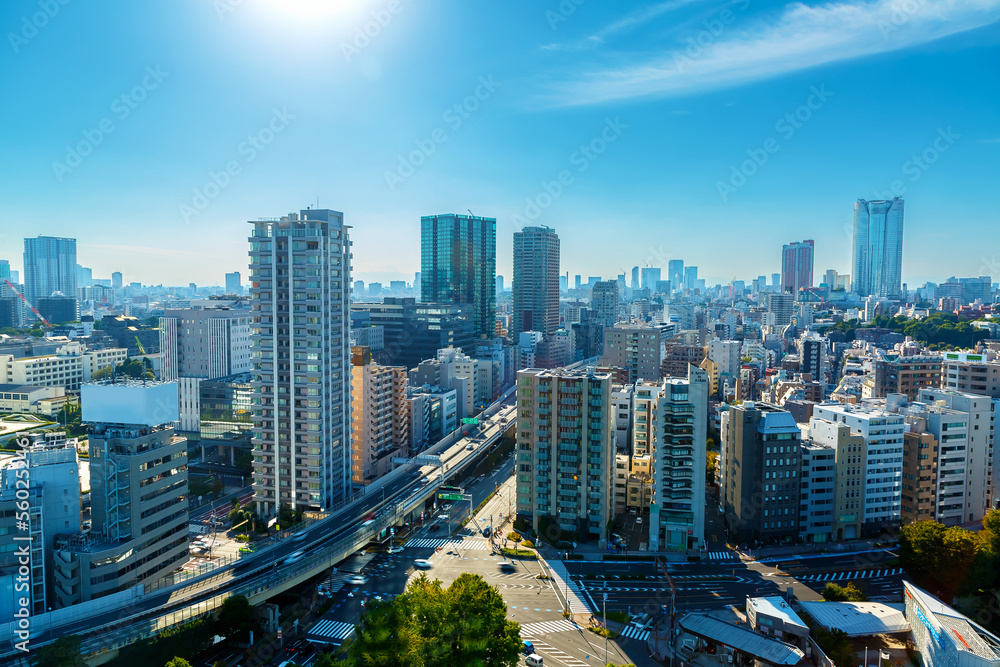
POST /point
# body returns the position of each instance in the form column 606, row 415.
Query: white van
column 533, row 660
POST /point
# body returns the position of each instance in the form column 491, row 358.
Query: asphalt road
column 336, row 526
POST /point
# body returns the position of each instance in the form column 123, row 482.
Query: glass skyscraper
column 458, row 265
column 49, row 267
column 878, row 248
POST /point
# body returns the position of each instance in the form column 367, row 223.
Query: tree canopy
column 937, row 330
column 432, row 626
column 951, row 560
column 235, row 618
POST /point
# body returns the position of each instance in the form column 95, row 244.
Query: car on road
column 534, row 660
column 422, row 563
column 470, row 447
column 638, row 521
column 443, row 516
column 357, row 580
column 506, row 566
column 486, row 532
column 435, row 527
column 395, row 550
column 299, row 537
column 295, row 557
column 527, row 647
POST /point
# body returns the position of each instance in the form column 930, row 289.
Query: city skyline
column 732, row 158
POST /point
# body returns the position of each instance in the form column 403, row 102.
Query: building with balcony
column 882, row 431
column 677, row 510
column 565, row 456
column 300, row 274
column 907, row 375
column 69, row 367
column 380, row 411
column 639, row 349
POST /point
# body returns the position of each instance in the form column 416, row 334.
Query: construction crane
column 27, row 303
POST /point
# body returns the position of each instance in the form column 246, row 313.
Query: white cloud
column 799, row 37
column 631, row 20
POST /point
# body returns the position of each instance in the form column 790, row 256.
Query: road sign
column 449, row 496
column 470, row 420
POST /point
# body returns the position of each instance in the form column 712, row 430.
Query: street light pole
column 605, row 628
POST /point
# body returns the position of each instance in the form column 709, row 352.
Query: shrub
column 528, row 544
column 514, row 537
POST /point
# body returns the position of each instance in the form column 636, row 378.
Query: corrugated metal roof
column 859, row 619
column 763, row 648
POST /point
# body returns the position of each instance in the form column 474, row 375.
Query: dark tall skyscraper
column 878, row 248
column 49, row 267
column 797, row 266
column 536, row 281
column 458, row 265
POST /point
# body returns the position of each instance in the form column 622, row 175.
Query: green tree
column 287, row 517
column 235, row 618
column 178, row 662
column 711, row 460
column 836, row 593
column 432, row 626
column 63, row 652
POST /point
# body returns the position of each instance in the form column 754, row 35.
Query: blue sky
column 702, row 130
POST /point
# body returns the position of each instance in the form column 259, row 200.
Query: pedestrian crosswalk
column 331, row 630
column 635, row 633
column 560, row 657
column 840, row 576
column 545, row 627
column 431, row 543
column 573, row 592
column 721, row 555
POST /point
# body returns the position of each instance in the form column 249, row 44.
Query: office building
column 138, row 494
column 565, row 453
column 380, row 410
column 675, row 273
column 49, row 267
column 225, row 424
column 761, row 446
column 433, row 415
column 677, row 511
column 638, row 349
column 458, row 262
column 965, row 464
column 972, row 373
column 536, row 281
column 57, row 309
column 649, row 275
column 635, row 278
column 27, row 398
column 49, row 474
column 302, row 456
column 878, row 248
column 200, row 344
column 797, row 266
column 850, row 454
column 413, row 332
column 690, row 277
column 814, row 358
column 604, row 303
column 233, row 283
column 69, row 367
column 883, row 466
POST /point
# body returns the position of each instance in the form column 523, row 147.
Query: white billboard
column 151, row 404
